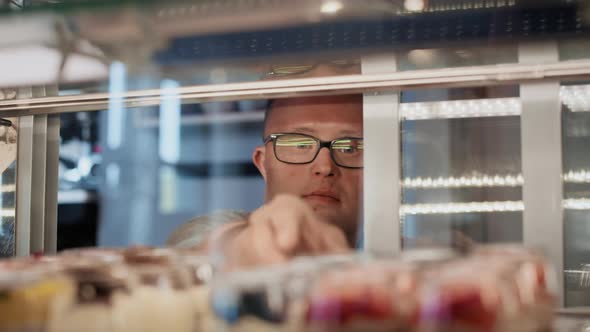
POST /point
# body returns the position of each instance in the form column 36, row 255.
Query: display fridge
column 476, row 115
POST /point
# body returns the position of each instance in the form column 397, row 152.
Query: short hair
column 271, row 103
column 267, row 111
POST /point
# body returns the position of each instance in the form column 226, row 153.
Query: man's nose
column 323, row 164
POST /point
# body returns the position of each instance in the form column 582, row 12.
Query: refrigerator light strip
column 474, row 108
column 576, row 204
column 454, row 208
column 484, row 180
column 576, row 97
column 464, row 182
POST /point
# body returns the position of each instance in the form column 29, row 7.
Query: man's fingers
column 265, row 249
column 278, row 222
column 287, row 226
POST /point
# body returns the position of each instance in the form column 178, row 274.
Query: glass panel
column 8, row 138
column 163, row 166
column 79, row 162
column 457, row 57
column 576, row 166
column 213, row 41
column 159, row 166
column 574, row 49
column 461, row 167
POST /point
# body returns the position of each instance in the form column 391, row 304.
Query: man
column 311, row 161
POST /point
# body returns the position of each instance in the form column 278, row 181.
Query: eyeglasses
column 294, row 148
column 300, row 69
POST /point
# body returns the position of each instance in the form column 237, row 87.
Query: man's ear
column 258, row 157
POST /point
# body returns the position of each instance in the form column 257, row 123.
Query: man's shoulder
column 194, row 231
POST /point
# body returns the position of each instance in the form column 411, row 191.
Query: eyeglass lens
column 301, row 149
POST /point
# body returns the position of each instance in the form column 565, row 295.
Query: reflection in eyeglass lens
column 295, row 141
column 348, row 146
column 295, row 148
column 300, row 69
column 348, row 152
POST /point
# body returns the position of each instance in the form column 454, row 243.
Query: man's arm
column 195, row 233
column 282, row 229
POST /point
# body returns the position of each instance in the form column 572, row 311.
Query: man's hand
column 284, row 228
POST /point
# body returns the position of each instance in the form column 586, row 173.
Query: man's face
column 333, row 192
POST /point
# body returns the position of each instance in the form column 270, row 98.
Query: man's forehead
column 338, row 113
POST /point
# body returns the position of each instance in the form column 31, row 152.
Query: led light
column 8, row 188
column 582, row 176
column 471, row 5
column 414, row 5
column 576, row 204
column 464, row 181
column 7, row 213
column 485, row 180
column 476, row 108
column 576, row 97
column 331, row 7
column 454, row 208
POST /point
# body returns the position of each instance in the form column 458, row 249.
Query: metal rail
column 362, row 83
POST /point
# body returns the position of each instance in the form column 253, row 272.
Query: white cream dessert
column 491, row 289
column 164, row 302
column 201, row 273
column 101, row 293
column 27, row 298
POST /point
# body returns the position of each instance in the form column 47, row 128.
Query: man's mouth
column 322, row 196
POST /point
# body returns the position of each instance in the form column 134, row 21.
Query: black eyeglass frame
column 322, row 144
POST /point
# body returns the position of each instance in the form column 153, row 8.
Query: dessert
column 27, row 297
column 100, row 295
column 164, row 302
column 489, row 289
column 363, row 297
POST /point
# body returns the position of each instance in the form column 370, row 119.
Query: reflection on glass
column 8, row 136
column 576, row 165
column 436, row 58
column 149, row 188
column 117, row 86
column 461, row 167
column 170, row 122
column 574, row 49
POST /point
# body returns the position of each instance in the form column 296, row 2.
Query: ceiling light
column 331, row 7
column 414, row 5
